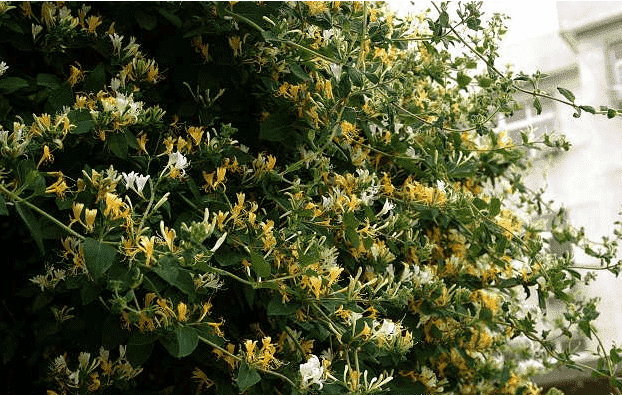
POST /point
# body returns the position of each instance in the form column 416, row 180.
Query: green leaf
column 12, row 84
column 443, row 19
column 537, row 105
column 309, row 258
column 33, row 225
column 95, row 79
column 611, row 113
column 174, row 19
column 83, row 127
column 373, row 78
column 495, row 207
column 146, row 21
column 48, row 80
column 59, row 98
column 182, row 342
column 480, row 204
column 139, row 348
column 117, row 144
column 228, row 258
column 615, row 356
column 586, row 328
column 355, row 75
column 98, row 256
column 3, row 209
column 277, row 307
column 259, row 265
column 349, row 220
column 344, row 87
column 566, row 93
column 484, row 81
column 353, row 237
column 299, row 72
column 589, row 109
column 247, row 377
column 463, row 80
column 169, row 270
column 276, row 127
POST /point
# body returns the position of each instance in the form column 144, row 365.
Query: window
column 615, row 73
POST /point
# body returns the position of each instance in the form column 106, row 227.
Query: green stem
column 288, row 42
column 16, row 197
column 291, row 334
column 245, row 20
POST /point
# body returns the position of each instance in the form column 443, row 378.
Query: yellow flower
column 76, row 75
column 142, row 143
column 93, row 22
column 59, row 187
column 146, row 244
column 250, row 346
column 169, row 236
column 333, row 274
column 113, row 206
column 89, row 216
column 77, row 210
column 216, row 326
column 46, row 156
column 182, row 312
column 95, row 383
column 201, row 377
column 169, row 143
column 207, row 307
column 26, row 9
column 316, row 7
column 196, row 133
column 236, row 44
column 328, row 90
column 349, row 132
column 316, row 286
column 48, row 9
column 165, row 308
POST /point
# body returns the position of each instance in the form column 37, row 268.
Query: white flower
column 135, row 182
column 177, row 160
column 386, row 331
column 36, row 29
column 3, row 67
column 441, row 185
column 312, row 372
column 59, row 365
column 83, row 360
column 116, row 43
column 387, row 207
column 115, row 84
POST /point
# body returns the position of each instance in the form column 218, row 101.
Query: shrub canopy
column 274, row 198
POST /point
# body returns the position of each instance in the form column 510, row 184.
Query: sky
column 528, row 18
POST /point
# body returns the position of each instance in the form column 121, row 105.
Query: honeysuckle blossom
column 135, row 181
column 116, row 43
column 177, row 164
column 3, row 67
column 36, row 29
column 312, row 372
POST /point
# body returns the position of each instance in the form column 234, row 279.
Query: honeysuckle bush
column 299, row 197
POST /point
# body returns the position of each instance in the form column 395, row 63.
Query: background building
column 585, row 56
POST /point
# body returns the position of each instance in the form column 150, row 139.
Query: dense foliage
column 273, row 197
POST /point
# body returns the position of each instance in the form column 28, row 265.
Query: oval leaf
column 98, row 256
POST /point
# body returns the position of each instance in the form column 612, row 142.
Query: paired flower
column 312, row 372
column 135, row 182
